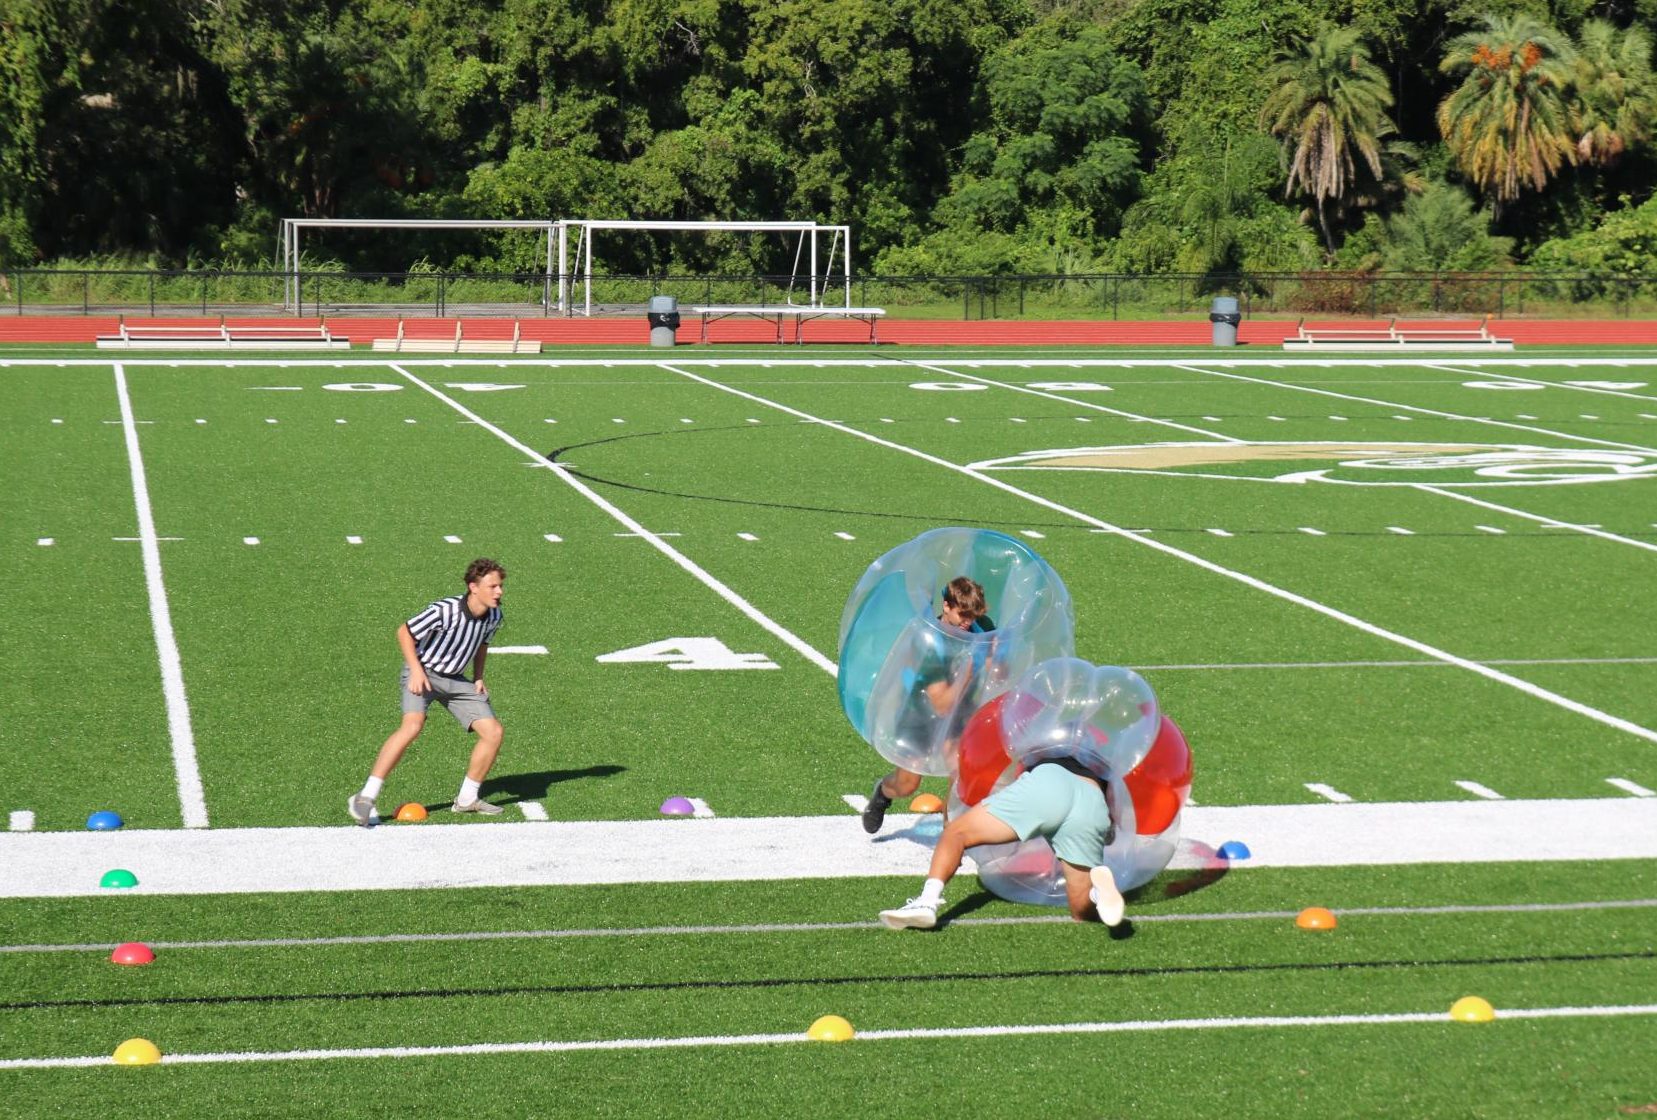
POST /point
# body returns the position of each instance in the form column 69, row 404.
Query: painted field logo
column 1352, row 464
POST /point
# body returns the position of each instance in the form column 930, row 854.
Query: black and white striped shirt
column 447, row 637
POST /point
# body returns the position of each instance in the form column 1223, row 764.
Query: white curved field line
column 1257, row 584
column 1131, row 1026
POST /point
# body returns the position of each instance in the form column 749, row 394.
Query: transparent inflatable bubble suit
column 1103, row 716
column 1028, row 871
column 908, row 682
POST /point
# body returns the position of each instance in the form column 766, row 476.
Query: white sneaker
column 1106, row 898
column 361, row 809
column 479, row 806
column 915, row 914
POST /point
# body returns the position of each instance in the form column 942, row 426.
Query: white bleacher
column 459, row 344
column 223, row 337
column 784, row 313
column 1426, row 335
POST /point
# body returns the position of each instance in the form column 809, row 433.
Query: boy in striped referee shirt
column 438, row 644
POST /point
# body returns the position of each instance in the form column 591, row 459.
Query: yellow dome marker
column 137, row 1052
column 830, row 1028
column 927, row 803
column 1472, row 1009
column 1315, row 917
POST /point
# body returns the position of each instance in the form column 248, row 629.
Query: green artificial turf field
column 1359, row 581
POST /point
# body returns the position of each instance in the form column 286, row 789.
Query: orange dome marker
column 927, row 803
column 411, row 811
column 1315, row 917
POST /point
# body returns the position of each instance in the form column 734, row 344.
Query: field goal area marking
column 1373, row 629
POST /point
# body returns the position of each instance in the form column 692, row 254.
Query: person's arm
column 481, row 656
column 417, row 682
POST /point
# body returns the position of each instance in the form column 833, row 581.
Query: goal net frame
column 820, row 283
column 288, row 243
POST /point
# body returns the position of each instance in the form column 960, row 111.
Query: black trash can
column 1225, row 316
column 663, row 317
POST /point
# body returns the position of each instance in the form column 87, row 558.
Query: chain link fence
column 1102, row 296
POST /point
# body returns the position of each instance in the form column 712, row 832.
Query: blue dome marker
column 1234, row 849
column 104, row 820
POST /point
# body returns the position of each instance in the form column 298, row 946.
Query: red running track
column 899, row 332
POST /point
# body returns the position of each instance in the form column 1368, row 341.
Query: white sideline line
column 699, row 809
column 857, row 801
column 1585, row 906
column 1328, row 793
column 788, row 637
column 1370, row 628
column 1129, row 1026
column 1552, row 523
column 342, row 857
column 21, row 820
column 532, row 650
column 1414, row 408
column 1632, row 787
column 186, row 770
column 532, row 810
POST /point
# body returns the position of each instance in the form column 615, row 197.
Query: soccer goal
column 293, row 230
column 821, row 280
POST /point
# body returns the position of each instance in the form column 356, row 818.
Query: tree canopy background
column 978, row 136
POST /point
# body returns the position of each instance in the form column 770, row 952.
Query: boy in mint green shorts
column 1056, row 799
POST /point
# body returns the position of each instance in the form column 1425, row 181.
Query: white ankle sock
column 1093, row 895
column 371, row 788
column 933, row 891
column 468, row 792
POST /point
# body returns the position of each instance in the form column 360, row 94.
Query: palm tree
column 1328, row 105
column 1508, row 123
column 1616, row 99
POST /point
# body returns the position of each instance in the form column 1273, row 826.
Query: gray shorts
column 457, row 694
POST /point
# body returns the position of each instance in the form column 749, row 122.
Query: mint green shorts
column 1051, row 802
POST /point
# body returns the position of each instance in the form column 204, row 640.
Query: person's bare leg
column 976, row 826
column 489, row 733
column 1092, row 894
column 398, row 742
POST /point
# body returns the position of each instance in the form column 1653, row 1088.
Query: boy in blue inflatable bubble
column 1059, row 800
column 940, row 686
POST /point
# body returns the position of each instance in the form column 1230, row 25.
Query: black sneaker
column 874, row 813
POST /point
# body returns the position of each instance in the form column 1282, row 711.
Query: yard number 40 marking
column 689, row 653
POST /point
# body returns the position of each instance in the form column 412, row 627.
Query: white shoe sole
column 1108, row 900
column 903, row 919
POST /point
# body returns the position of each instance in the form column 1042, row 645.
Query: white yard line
column 733, row 849
column 1129, row 1026
column 1535, row 691
column 187, row 771
column 771, row 626
column 1602, row 905
column 1275, row 665
column 1465, row 418
column 1588, row 530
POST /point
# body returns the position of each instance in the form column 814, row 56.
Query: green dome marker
column 120, row 878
